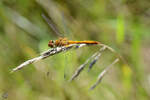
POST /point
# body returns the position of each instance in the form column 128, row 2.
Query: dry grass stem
column 81, row 67
column 96, row 58
column 101, row 75
column 46, row 54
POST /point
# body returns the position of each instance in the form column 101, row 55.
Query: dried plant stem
column 116, row 53
column 96, row 58
column 26, row 63
column 101, row 75
column 46, row 54
column 81, row 67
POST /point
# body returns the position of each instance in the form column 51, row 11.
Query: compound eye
column 51, row 43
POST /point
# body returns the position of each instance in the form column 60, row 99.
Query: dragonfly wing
column 52, row 25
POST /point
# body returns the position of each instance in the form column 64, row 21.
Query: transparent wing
column 52, row 25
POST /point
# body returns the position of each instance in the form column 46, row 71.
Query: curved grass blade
column 101, row 75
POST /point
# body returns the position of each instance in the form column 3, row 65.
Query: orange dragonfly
column 64, row 42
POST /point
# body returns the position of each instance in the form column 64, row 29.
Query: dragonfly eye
column 51, row 43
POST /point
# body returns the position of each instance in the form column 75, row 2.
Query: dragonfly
column 63, row 41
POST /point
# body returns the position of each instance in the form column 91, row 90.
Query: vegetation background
column 122, row 24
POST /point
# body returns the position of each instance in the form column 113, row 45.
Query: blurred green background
column 122, row 24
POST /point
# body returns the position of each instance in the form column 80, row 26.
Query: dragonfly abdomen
column 83, row 42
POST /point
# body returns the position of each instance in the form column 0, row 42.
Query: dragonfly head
column 51, row 43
